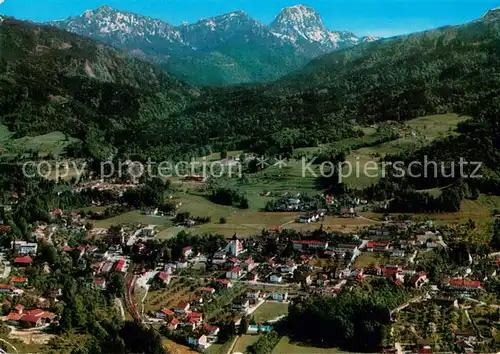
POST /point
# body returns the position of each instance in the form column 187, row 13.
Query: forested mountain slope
column 135, row 107
column 54, row 80
column 227, row 49
column 445, row 70
column 442, row 70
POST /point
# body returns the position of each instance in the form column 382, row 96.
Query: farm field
column 270, row 311
column 286, row 347
column 52, row 143
column 244, row 342
column 131, row 217
column 220, row 348
column 366, row 259
column 423, row 131
column 167, row 298
column 414, row 323
column 175, row 348
column 334, row 223
column 239, row 221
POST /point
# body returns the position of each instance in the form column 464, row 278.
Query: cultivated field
column 270, row 311
column 244, row 342
column 422, row 131
column 285, row 347
column 132, row 217
column 174, row 348
column 53, row 143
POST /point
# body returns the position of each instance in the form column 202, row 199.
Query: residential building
column 398, row 254
column 253, row 294
column 24, row 248
column 377, row 246
column 418, row 280
column 163, row 276
column 467, row 336
column 121, row 266
column 462, row 284
column 199, row 342
column 32, row 318
column 234, row 273
column 249, row 264
column 106, row 268
column 19, row 281
column 187, row 252
column 278, row 296
column 181, row 308
column 23, row 261
column 173, row 324
column 211, row 330
column 195, row 317
column 289, row 267
column 99, row 283
column 207, row 291
column 346, row 248
column 219, row 257
column 10, row 290
column 309, row 245
column 241, row 303
column 276, row 278
column 224, row 283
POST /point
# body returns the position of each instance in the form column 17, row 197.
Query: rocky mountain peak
column 301, row 21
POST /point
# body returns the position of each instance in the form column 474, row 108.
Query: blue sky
column 364, row 17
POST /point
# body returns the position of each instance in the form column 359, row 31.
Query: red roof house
column 463, row 284
column 164, row 276
column 19, row 281
column 23, row 261
column 120, row 265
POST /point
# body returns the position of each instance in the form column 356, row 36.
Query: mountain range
column 228, row 49
column 54, row 80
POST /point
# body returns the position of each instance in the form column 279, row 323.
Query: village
column 203, row 292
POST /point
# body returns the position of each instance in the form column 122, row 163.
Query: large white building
column 24, row 247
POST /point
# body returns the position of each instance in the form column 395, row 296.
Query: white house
column 241, row 304
column 288, row 267
column 431, row 244
column 187, row 251
column 275, row 278
column 200, row 342
column 253, row 294
column 24, row 247
column 249, row 264
column 346, row 248
column 182, row 308
column 279, row 296
column 398, row 254
column 234, row 273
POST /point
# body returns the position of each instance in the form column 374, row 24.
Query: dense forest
column 342, row 320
